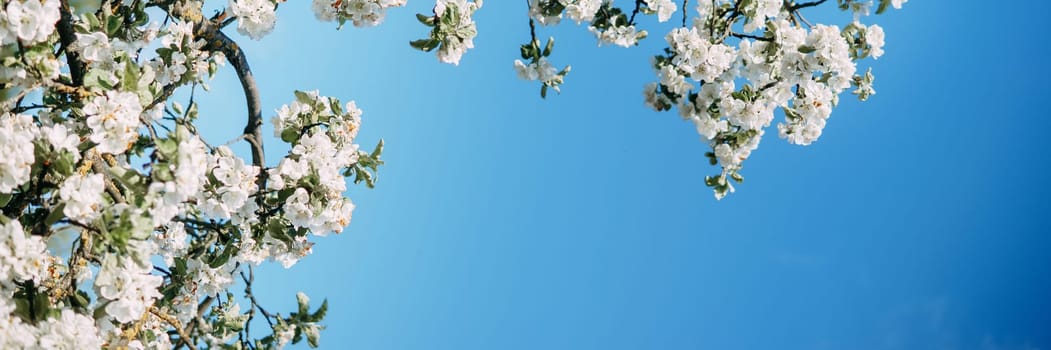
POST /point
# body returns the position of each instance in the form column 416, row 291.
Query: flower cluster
column 453, row 29
column 24, row 257
column 539, row 68
column 361, row 13
column 82, row 195
column 114, row 121
column 609, row 24
column 28, row 21
column 232, row 183
column 127, row 286
column 784, row 65
column 311, row 176
column 255, row 18
column 98, row 162
column 733, row 68
column 16, row 146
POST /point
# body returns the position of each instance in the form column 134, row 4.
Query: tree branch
column 212, row 33
column 67, row 36
column 796, row 7
column 638, row 6
column 253, row 132
column 749, row 36
column 183, row 336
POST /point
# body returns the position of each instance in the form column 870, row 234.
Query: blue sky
column 504, row 221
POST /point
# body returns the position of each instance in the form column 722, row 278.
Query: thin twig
column 183, row 336
column 796, row 7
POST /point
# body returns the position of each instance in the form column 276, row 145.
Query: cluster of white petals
column 228, row 196
column 619, row 33
column 458, row 31
column 68, row 330
column 664, row 8
column 23, row 257
column 784, row 65
column 581, row 10
column 29, row 21
column 323, row 147
column 697, row 57
column 101, row 167
column 16, row 148
column 126, row 287
column 361, row 13
column 114, row 121
column 542, row 71
column 83, row 196
column 255, row 18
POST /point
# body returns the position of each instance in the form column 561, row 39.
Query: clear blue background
column 503, row 221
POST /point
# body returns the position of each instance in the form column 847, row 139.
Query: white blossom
column 16, row 146
column 94, row 47
column 874, row 37
column 127, row 286
column 664, row 8
column 581, row 10
column 30, row 21
column 23, row 257
column 114, row 121
column 82, row 195
column 60, row 139
column 69, row 330
column 620, row 35
column 255, row 18
column 460, row 37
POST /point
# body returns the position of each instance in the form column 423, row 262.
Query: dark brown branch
column 111, row 188
column 254, row 126
column 796, row 7
column 253, row 131
column 212, row 33
column 684, row 12
column 183, row 336
column 251, row 297
column 67, row 36
column 638, row 6
column 749, row 36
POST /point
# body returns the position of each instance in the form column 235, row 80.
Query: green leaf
column 303, row 97
column 223, row 257
column 737, row 177
column 130, row 81
column 55, row 215
column 167, row 147
column 378, row 150
column 425, row 44
column 92, row 20
column 320, row 313
column 112, row 25
column 304, row 304
column 425, row 19
column 883, row 4
column 289, row 135
column 526, row 51
column 79, row 299
column 313, row 336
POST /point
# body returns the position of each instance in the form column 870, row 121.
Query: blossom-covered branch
column 731, row 70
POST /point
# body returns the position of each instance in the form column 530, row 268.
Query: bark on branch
column 67, row 36
column 253, row 133
column 211, row 32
